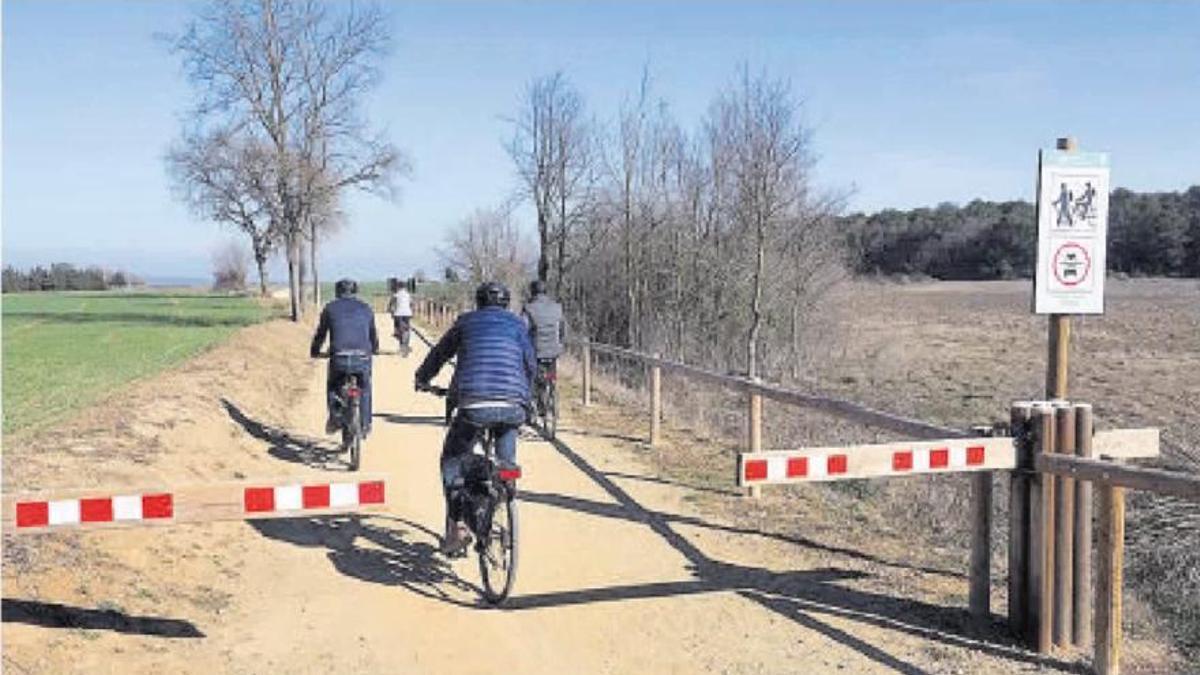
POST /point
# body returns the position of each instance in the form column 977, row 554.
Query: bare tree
column 755, row 127
column 552, row 149
column 230, row 265
column 291, row 74
column 224, row 177
column 711, row 245
column 488, row 246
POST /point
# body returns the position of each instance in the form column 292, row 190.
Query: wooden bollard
column 1110, row 542
column 587, row 373
column 1082, row 611
column 1018, row 521
column 1064, row 524
column 1041, row 553
column 979, row 599
column 754, row 432
column 655, row 404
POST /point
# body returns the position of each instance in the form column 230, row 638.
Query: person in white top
column 400, row 307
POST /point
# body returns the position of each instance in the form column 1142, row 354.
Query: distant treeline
column 66, row 277
column 1148, row 234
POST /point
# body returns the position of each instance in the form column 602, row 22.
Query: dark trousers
column 401, row 324
column 467, row 424
column 341, row 365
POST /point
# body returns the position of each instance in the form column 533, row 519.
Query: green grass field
column 63, row 351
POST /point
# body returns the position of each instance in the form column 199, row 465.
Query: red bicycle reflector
column 353, row 392
column 510, row 474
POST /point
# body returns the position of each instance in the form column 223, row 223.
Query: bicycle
column 349, row 399
column 487, row 499
column 546, row 396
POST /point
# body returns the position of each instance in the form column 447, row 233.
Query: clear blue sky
column 911, row 104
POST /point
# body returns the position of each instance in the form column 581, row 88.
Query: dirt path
column 618, row 574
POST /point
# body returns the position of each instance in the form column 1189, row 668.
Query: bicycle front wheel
column 498, row 556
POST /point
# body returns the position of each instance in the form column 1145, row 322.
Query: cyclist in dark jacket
column 547, row 331
column 350, row 325
column 491, row 386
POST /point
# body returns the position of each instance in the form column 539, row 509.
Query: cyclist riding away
column 547, row 331
column 400, row 307
column 491, row 385
column 350, row 326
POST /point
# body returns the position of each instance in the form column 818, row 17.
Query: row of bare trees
column 711, row 245
column 276, row 135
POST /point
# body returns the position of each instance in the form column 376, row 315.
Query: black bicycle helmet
column 492, row 294
column 537, row 287
column 345, row 288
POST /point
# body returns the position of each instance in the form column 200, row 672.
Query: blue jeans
column 469, row 422
column 341, row 365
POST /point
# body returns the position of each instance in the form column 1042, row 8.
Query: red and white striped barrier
column 191, row 504
column 875, row 461
column 118, row 509
column 279, row 499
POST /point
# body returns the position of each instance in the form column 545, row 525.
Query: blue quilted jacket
column 495, row 357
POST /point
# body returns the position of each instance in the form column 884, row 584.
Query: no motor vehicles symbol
column 1072, row 264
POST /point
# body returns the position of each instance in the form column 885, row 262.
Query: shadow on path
column 398, row 556
column 797, row 596
column 404, row 554
column 610, row 510
column 314, row 452
column 396, row 418
column 52, row 615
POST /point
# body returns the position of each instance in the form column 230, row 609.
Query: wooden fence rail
column 836, row 406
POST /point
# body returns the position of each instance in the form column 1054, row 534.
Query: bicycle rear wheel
column 352, row 435
column 550, row 418
column 498, row 553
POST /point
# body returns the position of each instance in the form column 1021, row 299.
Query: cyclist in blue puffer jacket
column 491, row 387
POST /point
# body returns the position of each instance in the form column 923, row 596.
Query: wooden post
column 754, row 433
column 1059, row 342
column 980, row 595
column 1081, row 633
column 655, row 404
column 1111, row 549
column 1064, row 521
column 587, row 373
column 1041, row 558
column 1018, row 521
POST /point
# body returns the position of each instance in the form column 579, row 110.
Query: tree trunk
column 543, row 245
column 302, row 265
column 293, row 277
column 756, row 302
column 260, row 261
column 316, row 278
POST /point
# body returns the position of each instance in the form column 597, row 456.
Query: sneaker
column 456, row 541
column 331, row 425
